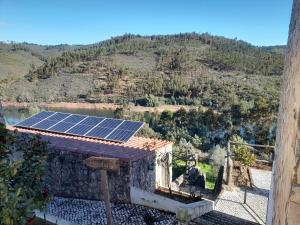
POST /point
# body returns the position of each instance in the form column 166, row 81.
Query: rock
column 196, row 177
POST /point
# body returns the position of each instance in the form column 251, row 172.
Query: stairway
column 219, row 218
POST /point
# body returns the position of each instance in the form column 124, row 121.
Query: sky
column 260, row 22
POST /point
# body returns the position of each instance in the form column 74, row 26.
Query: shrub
column 218, row 155
column 243, row 153
column 244, row 156
column 22, row 165
column 148, row 132
column 149, row 101
column 196, row 141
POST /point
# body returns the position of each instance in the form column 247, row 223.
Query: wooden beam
column 103, row 163
column 105, row 191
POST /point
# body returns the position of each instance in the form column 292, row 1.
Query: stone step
column 219, row 218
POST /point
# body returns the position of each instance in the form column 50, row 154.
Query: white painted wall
column 160, row 171
column 184, row 212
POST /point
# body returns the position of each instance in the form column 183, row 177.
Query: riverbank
column 94, row 106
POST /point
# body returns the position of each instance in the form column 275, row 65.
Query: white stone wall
column 164, row 172
column 284, row 204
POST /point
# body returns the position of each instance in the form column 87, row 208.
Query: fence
column 259, row 157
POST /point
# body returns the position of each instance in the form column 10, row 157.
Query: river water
column 14, row 115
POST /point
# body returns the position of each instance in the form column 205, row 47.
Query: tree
column 166, row 116
column 196, row 140
column 22, row 166
column 261, row 106
column 218, row 155
column 242, row 152
column 185, row 152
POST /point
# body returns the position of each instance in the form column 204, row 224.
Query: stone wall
column 284, row 204
column 143, row 173
column 219, row 181
column 68, row 177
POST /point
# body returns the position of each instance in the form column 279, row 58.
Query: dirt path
column 80, row 105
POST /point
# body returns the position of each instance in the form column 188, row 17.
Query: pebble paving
column 229, row 203
column 86, row 212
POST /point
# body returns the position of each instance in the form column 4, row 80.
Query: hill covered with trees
column 16, row 59
column 235, row 82
column 191, row 69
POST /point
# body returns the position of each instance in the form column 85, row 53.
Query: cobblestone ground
column 86, row 212
column 229, row 203
column 255, row 209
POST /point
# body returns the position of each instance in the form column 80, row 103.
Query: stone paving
column 232, row 202
column 229, row 209
column 86, row 212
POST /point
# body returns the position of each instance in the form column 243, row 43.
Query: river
column 14, row 115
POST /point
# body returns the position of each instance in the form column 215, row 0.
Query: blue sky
column 260, row 22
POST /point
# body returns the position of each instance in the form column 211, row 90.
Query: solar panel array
column 82, row 125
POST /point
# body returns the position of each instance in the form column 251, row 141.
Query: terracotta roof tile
column 136, row 148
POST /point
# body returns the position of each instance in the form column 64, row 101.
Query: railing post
column 229, row 169
column 246, row 192
column 245, row 196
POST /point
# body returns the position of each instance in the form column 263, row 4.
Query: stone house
column 144, row 163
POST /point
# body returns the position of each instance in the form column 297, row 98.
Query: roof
column 136, row 148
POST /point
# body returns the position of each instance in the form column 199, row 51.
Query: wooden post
column 245, row 196
column 104, row 164
column 246, row 192
column 105, row 191
column 228, row 168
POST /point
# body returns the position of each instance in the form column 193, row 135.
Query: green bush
column 149, row 101
column 244, row 156
column 22, row 165
column 242, row 152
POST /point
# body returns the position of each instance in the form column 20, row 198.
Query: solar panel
column 75, row 118
column 92, row 120
column 99, row 132
column 129, row 125
column 110, row 123
column 121, row 135
column 80, row 129
column 35, row 119
column 61, row 127
column 45, row 124
column 82, row 125
column 59, row 116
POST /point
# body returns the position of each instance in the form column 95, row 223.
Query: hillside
column 16, row 59
column 191, row 69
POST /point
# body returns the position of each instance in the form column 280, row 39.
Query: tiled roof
column 136, row 148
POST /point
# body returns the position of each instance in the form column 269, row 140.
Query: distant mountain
column 281, row 49
column 189, row 68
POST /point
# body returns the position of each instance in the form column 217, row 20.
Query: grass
column 209, row 171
